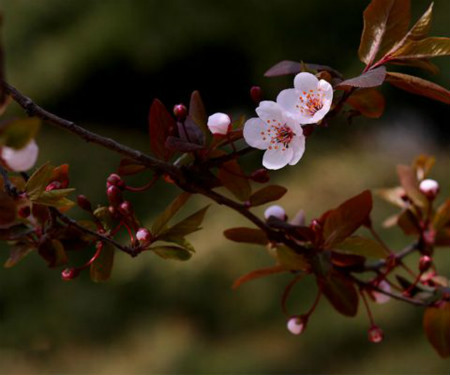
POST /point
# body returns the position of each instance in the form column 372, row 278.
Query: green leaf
column 128, row 167
column 267, row 194
column 18, row 133
column 419, row 86
column 7, row 210
column 436, row 323
column 161, row 123
column 105, row 217
column 357, row 245
column 246, row 235
column 409, row 223
column 392, row 195
column 292, row 261
column 172, row 252
column 385, row 23
column 423, row 49
column 409, row 182
column 257, row 274
column 442, row 216
column 101, row 267
column 340, row 292
column 371, row 78
column 369, row 102
column 345, row 219
column 55, row 198
column 17, row 253
column 38, row 181
column 186, row 226
column 160, row 222
column 183, row 242
column 233, row 178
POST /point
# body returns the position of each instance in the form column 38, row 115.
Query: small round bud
column 114, row 195
column 144, row 236
column 430, row 188
column 276, row 211
column 260, row 175
column 425, row 263
column 180, row 111
column 256, row 94
column 20, row 160
column 219, row 123
column 126, row 208
column 308, row 129
column 69, row 273
column 84, row 203
column 380, row 297
column 315, row 225
column 24, row 212
column 296, row 325
column 376, row 334
column 115, row 180
column 53, row 186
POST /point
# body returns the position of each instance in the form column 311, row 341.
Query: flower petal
column 298, row 147
column 305, row 82
column 288, row 99
column 277, row 158
column 23, row 159
column 269, row 110
column 253, row 129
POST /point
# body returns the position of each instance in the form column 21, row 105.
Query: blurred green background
column 101, row 63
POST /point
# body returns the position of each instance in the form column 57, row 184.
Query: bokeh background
column 101, row 63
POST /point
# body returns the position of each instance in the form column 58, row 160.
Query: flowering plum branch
column 201, row 154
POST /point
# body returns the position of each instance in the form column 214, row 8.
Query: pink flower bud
column 430, row 188
column 276, row 211
column 219, row 123
column 380, row 297
column 260, row 175
column 144, row 236
column 55, row 185
column 376, row 334
column 296, row 325
column 84, row 203
column 20, row 160
column 115, row 180
column 69, row 273
column 24, row 212
column 126, row 208
column 425, row 263
column 114, row 195
column 180, row 111
column 256, row 94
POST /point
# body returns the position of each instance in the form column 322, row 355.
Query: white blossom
column 295, row 325
column 381, row 297
column 276, row 211
column 310, row 99
column 219, row 123
column 429, row 187
column 277, row 133
column 22, row 159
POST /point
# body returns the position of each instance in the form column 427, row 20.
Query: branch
column 398, row 257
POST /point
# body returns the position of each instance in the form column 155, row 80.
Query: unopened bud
column 260, row 175
column 380, row 297
column 144, row 236
column 84, row 203
column 115, row 180
column 53, row 186
column 256, row 94
column 376, row 334
column 425, row 263
column 219, row 123
column 308, row 129
column 430, row 188
column 315, row 225
column 69, row 273
column 114, row 195
column 276, row 211
column 180, row 111
column 24, row 212
column 126, row 208
column 296, row 325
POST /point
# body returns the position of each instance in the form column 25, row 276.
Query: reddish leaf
column 442, row 216
column 442, row 237
column 283, row 68
column 17, row 253
column 345, row 219
column 38, row 181
column 347, row 260
column 190, row 132
column 233, row 178
column 128, row 167
column 423, row 165
column 408, row 222
column 161, row 124
column 385, row 23
column 246, row 235
column 340, row 292
column 258, row 274
column 181, row 145
column 7, row 210
column 61, row 174
column 422, row 49
column 436, row 323
column 101, row 267
column 356, row 245
column 419, row 86
column 392, row 195
column 369, row 102
column 53, row 252
column 371, row 78
column 424, row 64
column 197, row 112
column 267, row 194
column 408, row 180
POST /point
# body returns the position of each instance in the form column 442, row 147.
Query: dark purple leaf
column 161, row 125
column 246, row 235
column 189, row 131
column 181, row 145
column 436, row 323
column 371, row 78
